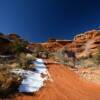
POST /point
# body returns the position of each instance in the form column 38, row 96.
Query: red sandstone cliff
column 84, row 44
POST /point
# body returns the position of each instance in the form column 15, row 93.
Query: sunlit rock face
column 87, row 35
column 52, row 46
column 84, row 44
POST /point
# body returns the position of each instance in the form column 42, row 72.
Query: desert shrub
column 96, row 57
column 98, row 34
column 25, row 60
column 29, row 61
column 30, row 57
column 40, row 51
column 22, row 60
column 43, row 54
column 18, row 46
column 59, row 56
column 8, row 82
column 86, row 62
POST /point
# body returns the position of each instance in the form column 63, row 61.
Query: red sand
column 67, row 85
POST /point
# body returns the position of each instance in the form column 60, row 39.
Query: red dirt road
column 66, row 86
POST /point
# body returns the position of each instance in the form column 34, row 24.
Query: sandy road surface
column 66, row 86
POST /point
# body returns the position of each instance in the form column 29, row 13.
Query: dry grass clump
column 8, row 82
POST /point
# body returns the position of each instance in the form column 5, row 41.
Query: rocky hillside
column 9, row 43
column 83, row 45
column 86, row 44
column 54, row 44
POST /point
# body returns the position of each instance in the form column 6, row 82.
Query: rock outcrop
column 83, row 45
column 11, row 40
column 54, row 44
column 86, row 44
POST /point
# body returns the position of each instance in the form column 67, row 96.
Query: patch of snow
column 33, row 80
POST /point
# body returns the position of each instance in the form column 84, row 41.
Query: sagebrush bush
column 96, row 57
column 8, row 82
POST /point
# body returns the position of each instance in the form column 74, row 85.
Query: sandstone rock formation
column 54, row 44
column 83, row 45
column 87, row 43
